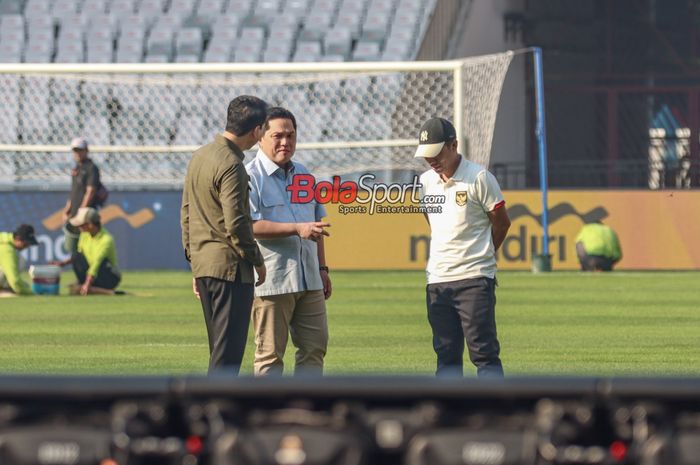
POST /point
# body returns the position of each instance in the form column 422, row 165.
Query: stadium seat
column 250, row 45
column 295, row 9
column 366, row 51
column 160, row 41
column 93, row 8
column 99, row 51
column 156, row 58
column 316, row 24
column 333, row 58
column 218, row 52
column 338, row 41
column 308, row 51
column 396, row 50
column 211, row 9
column 70, row 51
column 65, row 11
column 121, row 8
column 189, row 41
column 186, row 58
column 39, row 26
column 10, row 7
column 39, row 52
column 241, row 8
column 264, row 13
column 282, row 33
column 129, row 49
column 101, row 27
column 11, row 22
column 278, row 51
column 376, row 26
column 351, row 20
column 226, row 23
column 12, row 39
column 151, row 10
column 181, row 8
column 37, row 9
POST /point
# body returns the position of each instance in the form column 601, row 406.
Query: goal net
column 143, row 121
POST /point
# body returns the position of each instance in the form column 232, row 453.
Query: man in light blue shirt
column 290, row 236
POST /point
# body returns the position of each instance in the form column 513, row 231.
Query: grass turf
column 560, row 323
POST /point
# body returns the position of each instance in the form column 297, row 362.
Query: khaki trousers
column 299, row 314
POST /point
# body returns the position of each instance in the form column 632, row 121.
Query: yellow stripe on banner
column 658, row 230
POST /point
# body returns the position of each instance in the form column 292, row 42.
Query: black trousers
column 106, row 277
column 464, row 310
column 592, row 262
column 227, row 306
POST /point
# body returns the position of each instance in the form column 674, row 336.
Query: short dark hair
column 25, row 232
column 279, row 113
column 245, row 113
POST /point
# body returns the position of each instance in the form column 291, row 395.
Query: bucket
column 541, row 263
column 45, row 279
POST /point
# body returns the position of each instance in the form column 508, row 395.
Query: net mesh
column 143, row 127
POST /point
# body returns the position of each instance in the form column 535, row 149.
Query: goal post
column 144, row 120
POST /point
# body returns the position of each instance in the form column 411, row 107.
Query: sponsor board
column 657, row 229
column 145, row 226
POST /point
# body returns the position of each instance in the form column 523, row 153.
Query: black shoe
column 119, row 293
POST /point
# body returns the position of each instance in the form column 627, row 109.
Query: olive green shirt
column 217, row 231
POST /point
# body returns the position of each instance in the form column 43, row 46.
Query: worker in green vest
column 11, row 243
column 597, row 247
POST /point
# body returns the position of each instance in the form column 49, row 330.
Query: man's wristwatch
column 323, row 268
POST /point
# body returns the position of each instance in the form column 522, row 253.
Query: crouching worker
column 11, row 243
column 95, row 261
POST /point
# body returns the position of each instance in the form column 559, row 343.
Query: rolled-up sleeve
column 236, row 210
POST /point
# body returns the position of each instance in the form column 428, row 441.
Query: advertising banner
column 145, row 226
column 658, row 230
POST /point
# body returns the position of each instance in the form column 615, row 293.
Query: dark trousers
column 592, row 262
column 106, row 277
column 227, row 306
column 462, row 310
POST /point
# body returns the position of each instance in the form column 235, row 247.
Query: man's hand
column 64, row 217
column 194, row 288
column 327, row 288
column 85, row 288
column 56, row 263
column 312, row 231
column 262, row 274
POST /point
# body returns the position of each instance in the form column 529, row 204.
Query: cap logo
column 424, row 136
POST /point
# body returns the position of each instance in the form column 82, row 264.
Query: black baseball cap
column 432, row 137
column 25, row 232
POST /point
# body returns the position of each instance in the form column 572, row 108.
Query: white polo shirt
column 460, row 244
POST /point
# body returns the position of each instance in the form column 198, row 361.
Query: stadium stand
column 103, row 31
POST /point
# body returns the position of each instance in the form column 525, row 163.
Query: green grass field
column 560, row 323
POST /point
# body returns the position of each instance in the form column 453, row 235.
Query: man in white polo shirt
column 465, row 234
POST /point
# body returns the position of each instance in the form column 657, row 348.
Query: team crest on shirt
column 461, row 198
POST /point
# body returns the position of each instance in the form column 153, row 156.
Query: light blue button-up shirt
column 291, row 262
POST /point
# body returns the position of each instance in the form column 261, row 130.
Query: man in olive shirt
column 95, row 260
column 217, row 232
column 85, row 190
column 10, row 243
